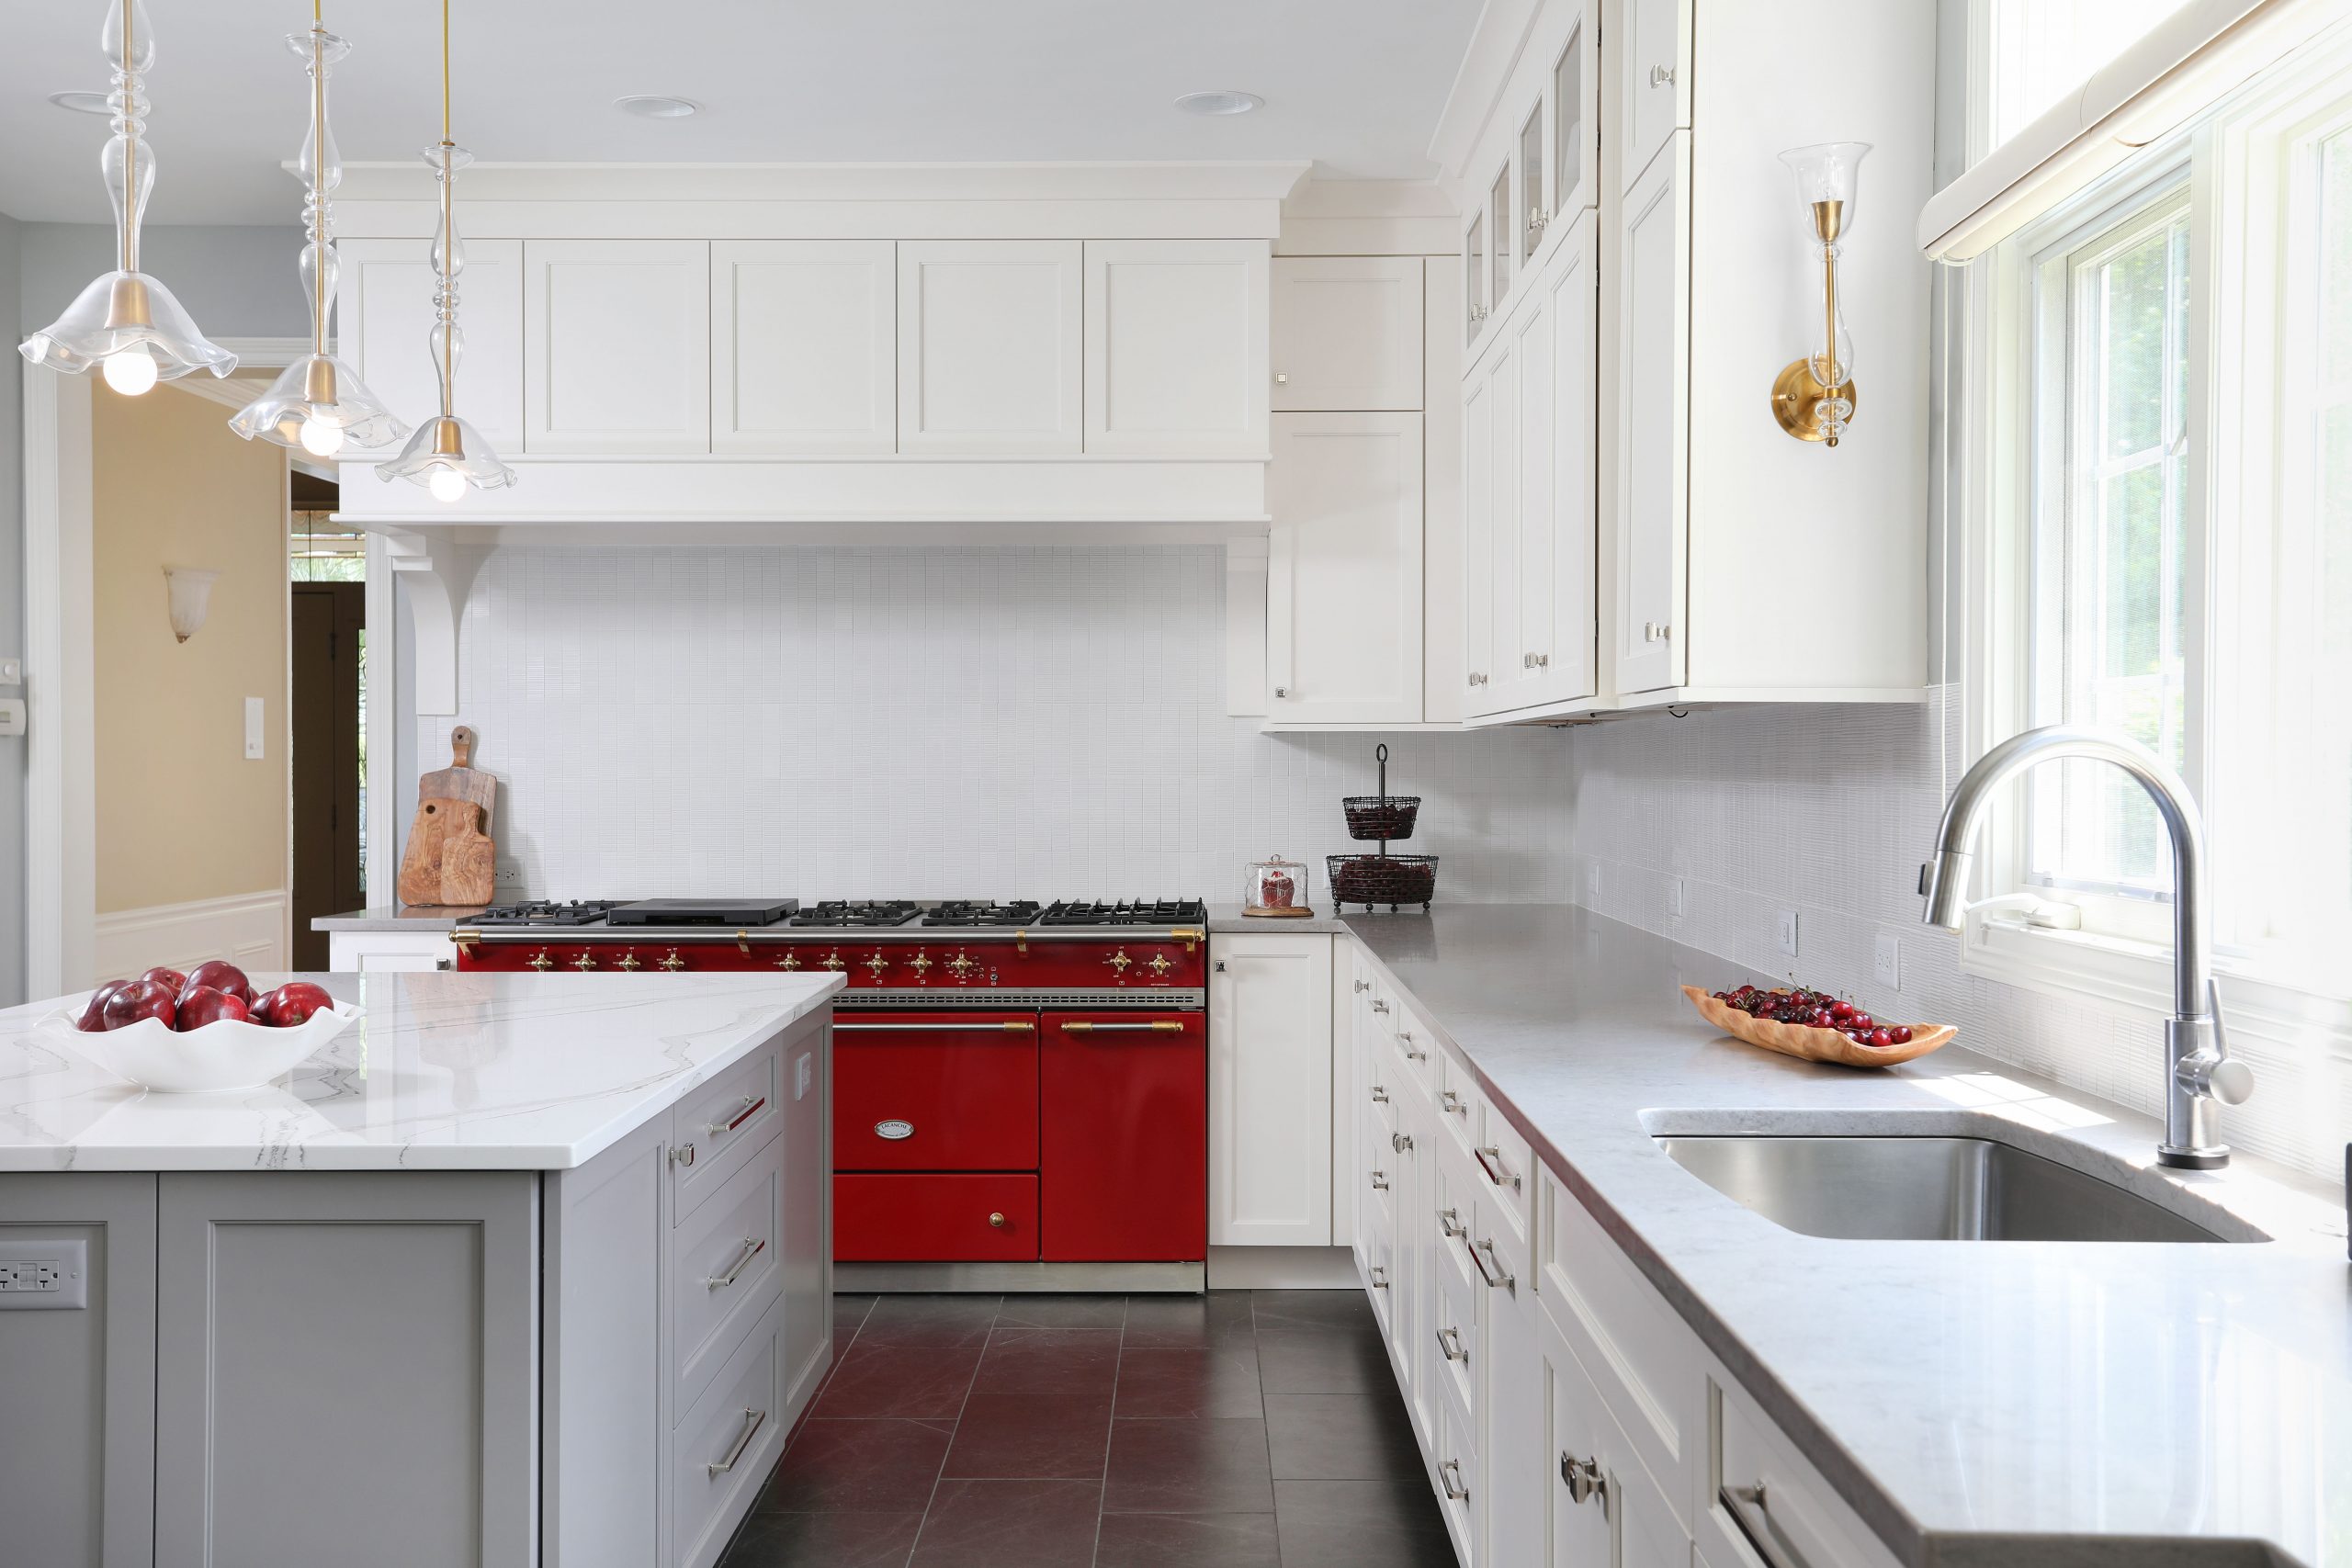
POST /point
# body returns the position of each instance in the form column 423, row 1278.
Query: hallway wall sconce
column 1814, row 396
column 190, row 591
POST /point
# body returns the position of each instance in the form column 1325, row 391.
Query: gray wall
column 236, row 281
column 12, row 631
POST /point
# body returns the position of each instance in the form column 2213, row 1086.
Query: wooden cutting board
column 450, row 858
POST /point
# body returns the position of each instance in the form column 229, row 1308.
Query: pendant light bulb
column 447, row 486
column 321, row 439
column 130, row 372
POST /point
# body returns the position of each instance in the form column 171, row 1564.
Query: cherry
column 1882, row 1037
column 1902, row 1032
column 1842, row 1009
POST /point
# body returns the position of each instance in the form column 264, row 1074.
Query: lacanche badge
column 894, row 1129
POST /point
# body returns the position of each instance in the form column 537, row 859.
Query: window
column 2039, row 51
column 2165, row 544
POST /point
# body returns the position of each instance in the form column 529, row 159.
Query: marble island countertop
column 1959, row 1395
column 443, row 1072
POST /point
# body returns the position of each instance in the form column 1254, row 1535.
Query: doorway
column 330, row 692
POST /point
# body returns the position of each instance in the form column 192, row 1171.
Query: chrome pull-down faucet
column 2199, row 1073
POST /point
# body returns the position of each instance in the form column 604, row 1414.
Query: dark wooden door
column 328, row 621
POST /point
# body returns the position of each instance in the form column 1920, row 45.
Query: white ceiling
column 1354, row 85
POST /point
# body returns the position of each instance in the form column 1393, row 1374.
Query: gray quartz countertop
column 1227, row 919
column 392, row 918
column 1958, row 1394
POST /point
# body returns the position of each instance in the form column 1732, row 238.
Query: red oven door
column 934, row 1090
column 1123, row 1137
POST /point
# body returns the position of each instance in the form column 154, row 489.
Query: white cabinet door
column 1343, row 586
column 1494, row 601
column 1477, row 538
column 1561, row 600
column 989, row 336
column 384, row 320
column 1347, row 334
column 804, row 346
column 1648, row 642
column 1522, row 601
column 1654, row 89
column 617, row 339
column 1605, row 1509
column 1515, row 1442
column 1270, row 1090
column 1176, row 347
column 379, row 953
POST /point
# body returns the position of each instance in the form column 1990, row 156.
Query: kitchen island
column 517, row 1269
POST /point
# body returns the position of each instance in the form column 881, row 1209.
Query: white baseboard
column 248, row 929
column 1282, row 1269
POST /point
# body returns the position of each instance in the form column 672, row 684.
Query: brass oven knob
column 833, row 962
column 585, row 962
column 791, row 960
column 877, row 964
column 961, row 965
column 672, row 962
column 629, row 962
column 541, row 961
column 921, row 964
column 996, row 1220
column 1119, row 962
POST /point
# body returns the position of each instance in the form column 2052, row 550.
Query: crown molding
column 957, row 183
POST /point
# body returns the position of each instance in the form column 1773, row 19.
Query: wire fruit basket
column 1383, row 878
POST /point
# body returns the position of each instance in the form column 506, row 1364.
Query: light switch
column 1786, row 930
column 804, row 1073
column 44, row 1276
column 1889, row 961
column 253, row 730
column 11, row 715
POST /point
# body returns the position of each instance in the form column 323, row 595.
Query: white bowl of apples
column 203, row 1032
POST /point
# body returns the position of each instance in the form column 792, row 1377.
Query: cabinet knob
column 1661, row 75
column 996, row 1220
column 1218, row 965
column 1534, row 661
column 1477, row 679
column 1363, row 985
column 683, row 1154
column 1281, row 691
column 1282, row 378
column 1655, row 631
column 1584, row 1479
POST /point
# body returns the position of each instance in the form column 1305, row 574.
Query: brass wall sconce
column 1813, row 397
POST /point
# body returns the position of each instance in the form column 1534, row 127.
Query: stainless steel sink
column 1864, row 1188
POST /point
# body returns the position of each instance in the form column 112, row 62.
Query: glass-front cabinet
column 1574, row 155
column 1474, row 279
column 1534, row 205
column 1498, row 221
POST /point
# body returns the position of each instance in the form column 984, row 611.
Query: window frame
column 2238, row 167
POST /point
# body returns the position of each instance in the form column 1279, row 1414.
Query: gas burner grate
column 958, row 912
column 856, row 912
column 1158, row 912
column 543, row 912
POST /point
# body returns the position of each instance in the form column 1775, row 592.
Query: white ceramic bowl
column 223, row 1055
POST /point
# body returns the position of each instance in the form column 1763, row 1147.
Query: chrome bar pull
column 1450, row 1341
column 752, row 1246
column 1490, row 1160
column 1450, row 1477
column 753, row 1421
column 1490, row 1268
column 1748, row 1510
column 753, row 1105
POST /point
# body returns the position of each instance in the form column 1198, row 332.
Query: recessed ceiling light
column 655, row 107
column 81, row 103
column 1224, row 101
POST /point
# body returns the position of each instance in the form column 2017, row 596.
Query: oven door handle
column 1156, row 1026
column 1014, row 1026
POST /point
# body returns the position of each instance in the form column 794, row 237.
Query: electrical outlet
column 510, row 875
column 1889, row 956
column 44, row 1276
column 1787, row 926
column 1675, row 891
column 804, row 1073
column 1592, row 885
column 253, row 722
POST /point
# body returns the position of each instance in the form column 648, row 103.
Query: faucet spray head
column 1944, row 883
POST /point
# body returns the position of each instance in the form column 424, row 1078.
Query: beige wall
column 181, row 814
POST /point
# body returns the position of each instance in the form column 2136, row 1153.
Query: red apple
column 92, row 1016
column 222, row 976
column 202, row 1005
column 161, row 976
column 138, row 1000
column 292, row 1004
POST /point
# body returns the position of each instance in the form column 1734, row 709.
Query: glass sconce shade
column 1826, row 172
column 448, row 455
column 126, row 321
column 319, row 405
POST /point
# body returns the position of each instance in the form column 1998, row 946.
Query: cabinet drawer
column 1452, row 1349
column 723, row 1447
column 726, row 1269
column 952, row 1218
column 1457, row 1102
column 936, row 1093
column 1457, row 1484
column 1508, row 1165
column 714, row 1131
column 1416, row 1044
column 1766, row 1498
column 1643, row 1358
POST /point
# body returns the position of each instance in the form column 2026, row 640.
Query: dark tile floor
column 1239, row 1430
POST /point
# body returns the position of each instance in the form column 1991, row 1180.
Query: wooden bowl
column 1813, row 1044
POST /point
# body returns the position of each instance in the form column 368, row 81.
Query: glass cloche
column 1277, row 887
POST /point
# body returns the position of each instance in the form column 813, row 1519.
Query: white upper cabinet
column 1269, row 1091
column 1347, row 334
column 1654, row 82
column 989, row 335
column 1647, row 639
column 385, row 316
column 616, row 334
column 804, row 346
column 1176, row 347
column 1343, row 601
column 1493, row 621
column 1478, row 516
column 1561, row 557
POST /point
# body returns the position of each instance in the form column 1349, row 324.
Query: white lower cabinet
column 1270, row 1090
column 379, row 953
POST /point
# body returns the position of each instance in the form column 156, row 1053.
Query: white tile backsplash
column 929, row 723
column 1829, row 810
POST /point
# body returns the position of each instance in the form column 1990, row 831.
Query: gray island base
column 519, row 1269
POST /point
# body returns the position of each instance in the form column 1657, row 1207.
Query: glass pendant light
column 448, row 455
column 125, row 321
column 318, row 404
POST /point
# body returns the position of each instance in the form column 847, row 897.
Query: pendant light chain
column 448, row 235
column 319, row 163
